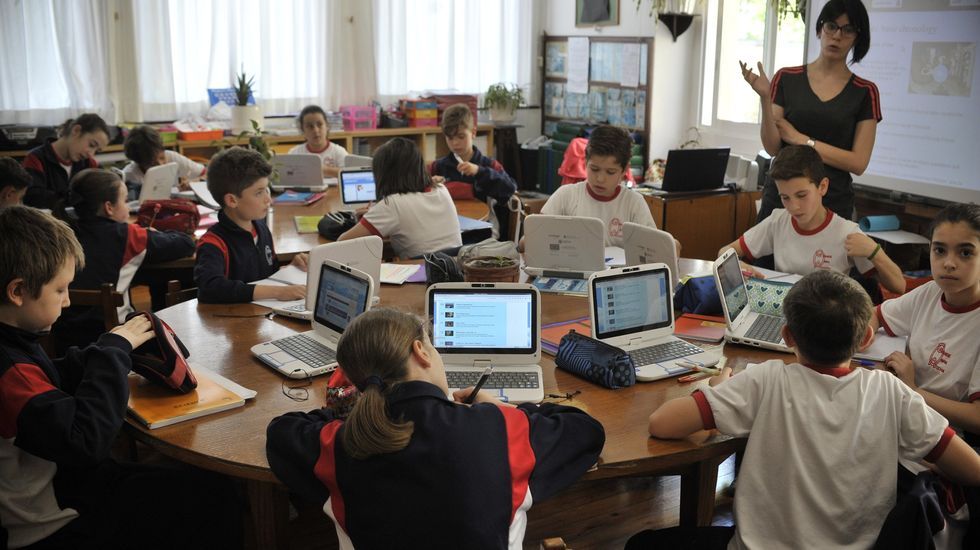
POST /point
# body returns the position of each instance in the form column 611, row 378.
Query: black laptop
column 695, row 169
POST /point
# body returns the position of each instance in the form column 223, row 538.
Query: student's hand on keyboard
column 290, row 292
column 136, row 331
column 183, row 184
column 301, row 260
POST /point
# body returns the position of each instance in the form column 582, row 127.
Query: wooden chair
column 175, row 294
column 106, row 297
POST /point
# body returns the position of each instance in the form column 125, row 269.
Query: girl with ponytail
column 53, row 164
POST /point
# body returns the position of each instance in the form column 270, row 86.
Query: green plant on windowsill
column 256, row 141
column 243, row 88
column 502, row 100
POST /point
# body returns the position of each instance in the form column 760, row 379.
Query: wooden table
column 233, row 442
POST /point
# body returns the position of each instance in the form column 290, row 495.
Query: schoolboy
column 601, row 195
column 468, row 172
column 58, row 419
column 238, row 249
column 824, row 437
column 13, row 182
column 144, row 147
column 804, row 235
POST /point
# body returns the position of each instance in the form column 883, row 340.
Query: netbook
column 568, row 247
column 695, row 169
column 357, row 186
column 632, row 308
column 357, row 161
column 648, row 245
column 301, row 172
column 476, row 325
column 744, row 325
column 158, row 182
column 342, row 294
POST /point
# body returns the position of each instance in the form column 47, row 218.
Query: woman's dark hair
column 858, row 16
column 309, row 110
column 88, row 123
column 90, row 189
column 956, row 213
column 398, row 168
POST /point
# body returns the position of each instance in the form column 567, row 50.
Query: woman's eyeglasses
column 848, row 30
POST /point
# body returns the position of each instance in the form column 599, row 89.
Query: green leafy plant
column 243, row 88
column 503, row 96
column 256, row 140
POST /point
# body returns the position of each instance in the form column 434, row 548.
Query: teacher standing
column 823, row 105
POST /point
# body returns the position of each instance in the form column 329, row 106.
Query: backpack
column 169, row 215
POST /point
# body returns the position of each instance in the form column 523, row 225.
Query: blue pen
column 864, row 363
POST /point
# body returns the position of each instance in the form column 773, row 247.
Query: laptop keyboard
column 675, row 349
column 306, row 349
column 766, row 328
column 498, row 380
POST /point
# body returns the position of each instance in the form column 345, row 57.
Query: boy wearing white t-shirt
column 805, row 236
column 824, row 437
column 144, row 147
column 312, row 122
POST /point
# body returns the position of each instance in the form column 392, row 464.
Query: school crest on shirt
column 268, row 254
column 615, row 227
column 939, row 357
column 821, row 260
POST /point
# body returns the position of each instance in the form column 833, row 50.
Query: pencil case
column 596, row 361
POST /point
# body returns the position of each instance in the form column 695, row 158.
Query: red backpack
column 169, row 214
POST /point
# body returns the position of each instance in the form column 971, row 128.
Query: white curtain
column 53, row 62
column 452, row 44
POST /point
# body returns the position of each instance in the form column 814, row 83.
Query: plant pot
column 242, row 117
column 491, row 269
column 500, row 116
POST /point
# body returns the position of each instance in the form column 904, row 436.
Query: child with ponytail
column 53, row 164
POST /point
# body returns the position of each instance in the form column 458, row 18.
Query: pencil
column 479, row 384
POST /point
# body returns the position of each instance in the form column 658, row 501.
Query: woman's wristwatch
column 810, row 142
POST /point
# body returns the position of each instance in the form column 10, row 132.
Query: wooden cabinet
column 703, row 222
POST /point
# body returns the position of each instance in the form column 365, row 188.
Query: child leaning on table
column 239, row 250
column 824, row 437
column 58, row 420
column 412, row 465
column 144, row 147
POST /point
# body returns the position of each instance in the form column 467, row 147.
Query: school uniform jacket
column 53, row 415
column 228, row 258
column 465, row 480
column 50, row 175
column 490, row 182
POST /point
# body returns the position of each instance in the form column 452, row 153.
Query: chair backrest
column 176, row 294
column 106, row 297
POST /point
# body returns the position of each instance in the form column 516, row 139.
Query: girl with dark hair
column 824, row 105
column 53, row 164
column 312, row 121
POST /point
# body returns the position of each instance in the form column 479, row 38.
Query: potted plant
column 502, row 100
column 492, row 269
column 244, row 115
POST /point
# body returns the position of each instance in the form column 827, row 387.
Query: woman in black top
column 824, row 105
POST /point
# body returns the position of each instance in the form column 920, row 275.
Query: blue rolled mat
column 878, row 223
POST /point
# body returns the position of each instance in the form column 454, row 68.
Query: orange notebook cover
column 706, row 328
column 156, row 406
column 551, row 334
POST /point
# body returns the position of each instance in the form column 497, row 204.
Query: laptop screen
column 633, row 302
column 357, row 186
column 340, row 297
column 484, row 321
column 732, row 287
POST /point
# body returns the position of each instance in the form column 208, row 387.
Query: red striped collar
column 954, row 309
column 325, row 147
column 823, row 225
column 600, row 198
column 836, row 372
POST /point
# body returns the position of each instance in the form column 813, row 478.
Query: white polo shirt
column 186, row 168
column 577, row 199
column 803, row 252
column 416, row 223
column 331, row 155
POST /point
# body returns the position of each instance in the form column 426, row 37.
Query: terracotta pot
column 474, row 272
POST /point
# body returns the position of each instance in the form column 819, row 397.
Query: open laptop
column 632, row 308
column 300, row 172
column 744, row 325
column 357, row 161
column 476, row 325
column 357, row 186
column 568, row 247
column 342, row 294
column 648, row 245
column 158, row 183
column 695, row 169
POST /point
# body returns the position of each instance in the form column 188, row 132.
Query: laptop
column 569, row 247
column 357, row 161
column 342, row 294
column 648, row 245
column 476, row 325
column 744, row 325
column 695, row 169
column 299, row 172
column 633, row 308
column 357, row 186
column 158, row 183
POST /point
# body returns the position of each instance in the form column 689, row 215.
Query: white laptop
column 744, row 325
column 357, row 186
column 158, row 183
column 568, row 247
column 476, row 325
column 301, row 172
column 342, row 294
column 357, row 161
column 632, row 308
column 648, row 245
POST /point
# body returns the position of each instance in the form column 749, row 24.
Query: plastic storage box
column 358, row 117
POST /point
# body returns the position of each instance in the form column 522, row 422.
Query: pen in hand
column 479, row 384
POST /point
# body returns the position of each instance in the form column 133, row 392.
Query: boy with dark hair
column 58, row 419
column 805, row 236
column 13, row 182
column 239, row 249
column 468, row 173
column 822, row 434
column 144, row 147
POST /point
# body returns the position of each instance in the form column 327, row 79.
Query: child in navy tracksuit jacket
column 433, row 473
column 115, row 250
column 58, row 420
column 53, row 164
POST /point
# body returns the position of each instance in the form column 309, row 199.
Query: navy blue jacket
column 49, row 185
column 491, row 180
column 465, row 480
column 228, row 258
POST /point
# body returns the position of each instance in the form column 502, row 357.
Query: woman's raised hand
column 759, row 82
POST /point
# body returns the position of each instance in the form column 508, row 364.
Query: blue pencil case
column 596, row 361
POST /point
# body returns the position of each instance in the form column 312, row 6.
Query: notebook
column 357, row 161
column 299, row 172
column 632, row 308
column 649, row 245
column 695, row 169
column 342, row 294
column 567, row 247
column 158, row 184
column 475, row 325
column 357, row 186
column 744, row 325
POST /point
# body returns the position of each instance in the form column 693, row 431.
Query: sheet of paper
column 883, row 346
column 615, row 256
column 290, row 275
column 631, row 66
column 396, row 274
column 230, row 385
column 898, row 237
column 200, row 189
column 578, row 65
